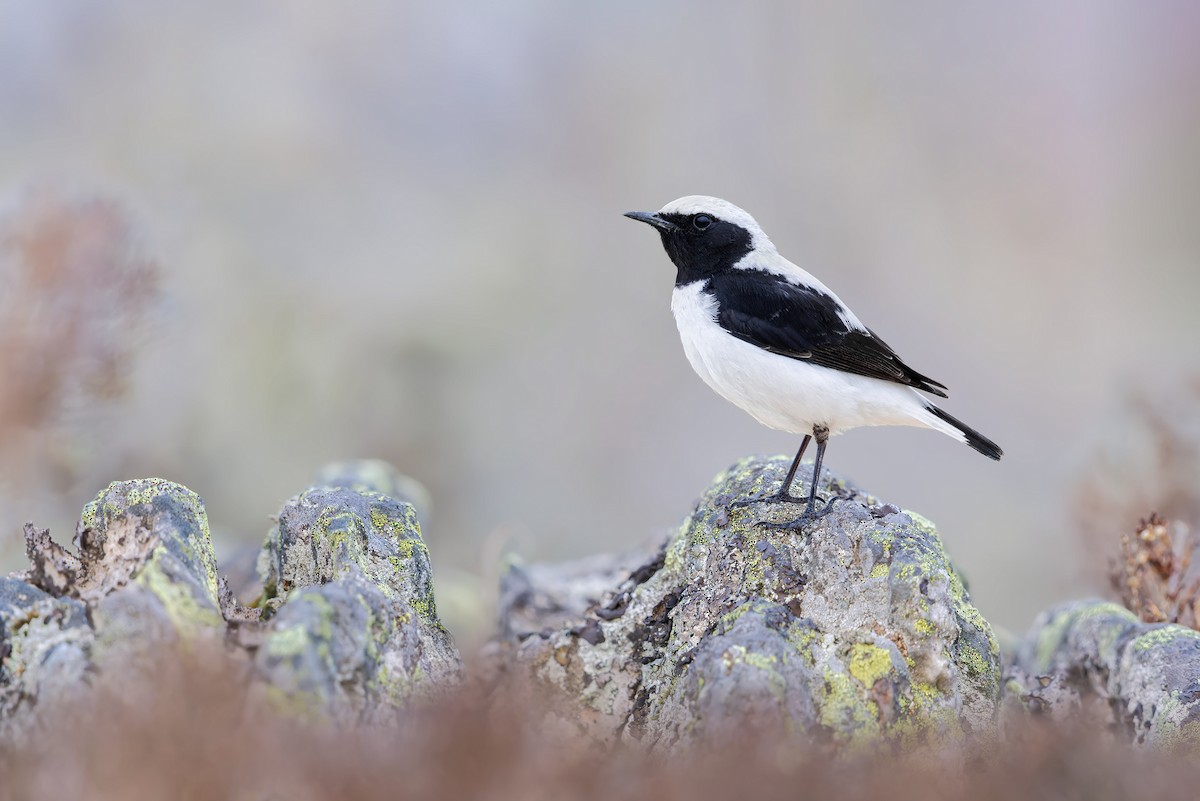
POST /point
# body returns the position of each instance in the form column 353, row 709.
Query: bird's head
column 705, row 235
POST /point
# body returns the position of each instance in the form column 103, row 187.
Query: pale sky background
column 394, row 230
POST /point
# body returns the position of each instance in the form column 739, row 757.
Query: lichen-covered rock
column 1142, row 678
column 856, row 630
column 45, row 647
column 143, row 576
column 347, row 621
column 376, row 475
column 148, row 568
column 356, row 631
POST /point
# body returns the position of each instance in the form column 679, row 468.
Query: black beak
column 652, row 219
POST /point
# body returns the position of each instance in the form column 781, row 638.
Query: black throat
column 703, row 254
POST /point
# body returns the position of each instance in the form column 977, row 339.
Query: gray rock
column 144, row 576
column 148, row 568
column 854, row 631
column 347, row 623
column 356, row 631
column 45, row 648
column 376, row 475
column 1142, row 679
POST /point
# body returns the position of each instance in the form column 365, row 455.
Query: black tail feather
column 976, row 440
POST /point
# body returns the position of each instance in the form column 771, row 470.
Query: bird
column 769, row 337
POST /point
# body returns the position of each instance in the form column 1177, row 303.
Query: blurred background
column 245, row 241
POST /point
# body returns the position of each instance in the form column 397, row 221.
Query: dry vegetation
column 196, row 733
column 1155, row 576
column 1147, row 485
column 75, row 294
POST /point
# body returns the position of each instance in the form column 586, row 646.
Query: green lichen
column 1163, row 635
column 292, row 638
column 301, row 705
column 767, row 663
column 975, row 663
column 924, row 524
column 1054, row 633
column 394, row 686
column 288, row 642
column 804, row 638
column 926, row 714
column 1168, row 732
column 879, row 571
column 426, row 609
column 187, row 612
column 343, row 532
column 760, row 661
column 380, row 521
column 967, row 611
column 676, row 550
column 189, row 538
column 868, row 663
column 844, row 711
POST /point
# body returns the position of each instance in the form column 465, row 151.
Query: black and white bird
column 770, row 338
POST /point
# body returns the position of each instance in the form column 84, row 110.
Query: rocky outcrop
column 346, row 624
column 351, row 613
column 852, row 631
column 1095, row 659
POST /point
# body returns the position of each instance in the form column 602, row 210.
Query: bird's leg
column 821, row 434
column 785, row 492
column 784, row 495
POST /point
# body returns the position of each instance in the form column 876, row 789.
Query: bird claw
column 809, row 516
column 782, row 497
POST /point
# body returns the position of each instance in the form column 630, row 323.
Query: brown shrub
column 196, row 732
column 1152, row 467
column 74, row 292
column 1155, row 575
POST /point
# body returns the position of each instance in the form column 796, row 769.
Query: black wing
column 802, row 323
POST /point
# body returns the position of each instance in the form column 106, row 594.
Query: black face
column 700, row 245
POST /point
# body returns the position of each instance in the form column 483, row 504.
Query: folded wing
column 804, row 323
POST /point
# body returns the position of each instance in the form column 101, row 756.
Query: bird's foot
column 810, row 516
column 780, row 497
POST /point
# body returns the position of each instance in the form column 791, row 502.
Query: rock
column 1142, row 679
column 356, row 628
column 347, row 624
column 854, row 631
column 148, row 568
column 376, row 475
column 45, row 649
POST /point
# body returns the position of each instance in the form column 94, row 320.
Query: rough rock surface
column 144, row 573
column 1141, row 679
column 45, row 647
column 346, row 624
column 356, row 620
column 376, row 475
column 854, row 631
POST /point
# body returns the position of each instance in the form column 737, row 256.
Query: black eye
column 701, row 222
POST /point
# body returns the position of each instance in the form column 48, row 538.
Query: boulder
column 855, row 630
column 350, row 613
column 345, row 625
column 1141, row 680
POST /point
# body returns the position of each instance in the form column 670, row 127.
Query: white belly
column 784, row 393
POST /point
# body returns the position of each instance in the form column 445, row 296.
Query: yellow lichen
column 846, row 712
column 186, row 611
column 868, row 663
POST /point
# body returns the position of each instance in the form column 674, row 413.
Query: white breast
column 780, row 392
